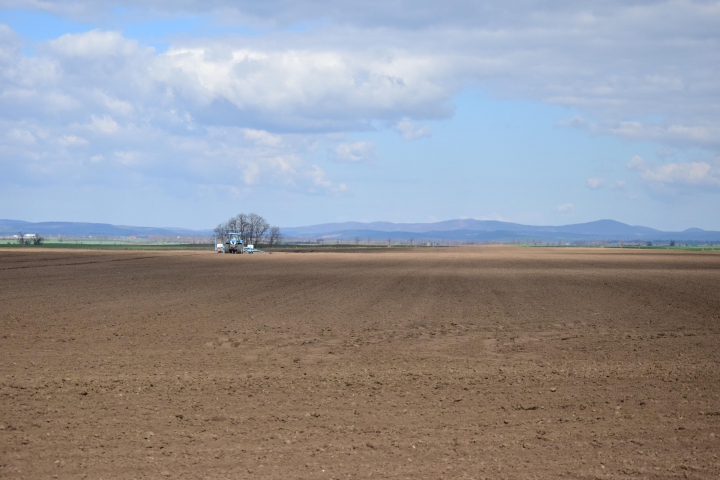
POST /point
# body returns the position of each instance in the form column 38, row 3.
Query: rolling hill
column 464, row 230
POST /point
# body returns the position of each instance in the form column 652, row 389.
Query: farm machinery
column 234, row 244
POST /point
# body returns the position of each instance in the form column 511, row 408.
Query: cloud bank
column 254, row 106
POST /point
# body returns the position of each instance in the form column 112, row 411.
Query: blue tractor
column 234, row 243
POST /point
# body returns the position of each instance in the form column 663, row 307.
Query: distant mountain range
column 12, row 227
column 450, row 230
column 491, row 230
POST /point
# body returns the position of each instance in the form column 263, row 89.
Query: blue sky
column 185, row 113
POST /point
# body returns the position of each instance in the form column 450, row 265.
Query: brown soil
column 483, row 362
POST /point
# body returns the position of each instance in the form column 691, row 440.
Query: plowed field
column 484, row 362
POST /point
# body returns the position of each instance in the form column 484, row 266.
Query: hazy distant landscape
column 463, row 230
column 469, row 230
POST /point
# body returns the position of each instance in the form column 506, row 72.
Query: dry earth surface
column 484, row 362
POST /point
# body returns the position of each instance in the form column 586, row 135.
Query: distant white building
column 29, row 236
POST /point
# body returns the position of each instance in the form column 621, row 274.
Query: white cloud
column 636, row 163
column 411, row 131
column 216, row 158
column 576, row 121
column 251, row 173
column 129, row 158
column 677, row 174
column 400, row 62
column 255, row 105
column 307, row 88
column 285, row 164
column 72, row 140
column 114, row 105
column 565, row 208
column 320, row 179
column 318, row 176
column 595, row 182
column 354, row 151
column 104, row 125
column 707, row 136
column 94, row 44
column 21, row 136
column 262, row 137
column 665, row 153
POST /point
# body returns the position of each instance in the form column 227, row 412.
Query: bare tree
column 252, row 228
column 221, row 231
column 234, row 223
column 21, row 238
column 274, row 237
column 257, row 228
column 240, row 224
column 389, row 241
column 38, row 240
column 411, row 241
column 357, row 240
